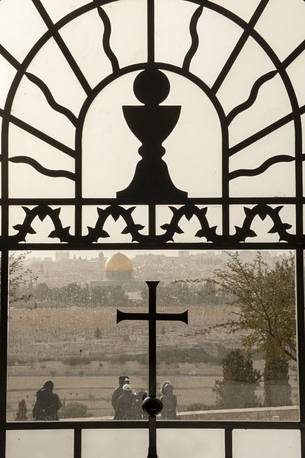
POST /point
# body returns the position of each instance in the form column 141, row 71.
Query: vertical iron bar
column 5, row 171
column 302, row 443
column 2, row 441
column 77, row 443
column 228, row 443
column 225, row 180
column 3, row 347
column 78, row 195
column 152, row 448
column 152, row 355
column 152, row 220
column 300, row 331
column 4, row 180
column 299, row 178
column 78, row 208
column 150, row 31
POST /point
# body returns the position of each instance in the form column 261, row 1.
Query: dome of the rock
column 119, row 266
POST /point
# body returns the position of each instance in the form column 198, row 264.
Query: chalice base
column 151, row 184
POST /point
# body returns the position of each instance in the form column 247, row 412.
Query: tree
column 20, row 278
column 240, row 380
column 265, row 300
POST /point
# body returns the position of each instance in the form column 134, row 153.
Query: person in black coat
column 126, row 405
column 47, row 403
column 123, row 379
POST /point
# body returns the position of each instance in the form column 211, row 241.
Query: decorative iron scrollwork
column 42, row 211
column 170, row 228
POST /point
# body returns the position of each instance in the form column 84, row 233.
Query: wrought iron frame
column 263, row 207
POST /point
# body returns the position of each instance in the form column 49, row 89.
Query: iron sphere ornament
column 152, row 406
column 151, row 86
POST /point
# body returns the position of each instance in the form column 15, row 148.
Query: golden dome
column 118, row 263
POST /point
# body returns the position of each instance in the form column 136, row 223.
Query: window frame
column 293, row 243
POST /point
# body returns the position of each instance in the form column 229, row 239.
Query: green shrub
column 239, row 383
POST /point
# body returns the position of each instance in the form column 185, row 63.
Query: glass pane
column 191, row 443
column 39, row 444
column 111, row 443
column 266, row 444
column 63, row 330
column 222, row 365
column 236, row 358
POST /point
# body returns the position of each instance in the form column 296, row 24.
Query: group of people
column 128, row 405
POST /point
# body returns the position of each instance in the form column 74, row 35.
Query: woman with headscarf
column 169, row 401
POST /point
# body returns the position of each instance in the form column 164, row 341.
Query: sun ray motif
column 252, row 97
column 239, row 46
column 267, row 130
column 63, row 47
column 9, row 57
column 50, row 99
column 42, row 86
column 294, row 55
column 262, row 168
column 37, row 133
column 41, row 169
column 106, row 38
column 195, row 39
column 261, row 81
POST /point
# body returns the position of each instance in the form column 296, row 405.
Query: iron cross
column 153, row 406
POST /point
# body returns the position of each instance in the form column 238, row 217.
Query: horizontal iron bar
column 122, row 316
column 173, row 317
column 148, row 246
column 112, row 201
column 171, row 424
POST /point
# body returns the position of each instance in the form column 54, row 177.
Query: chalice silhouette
column 151, row 124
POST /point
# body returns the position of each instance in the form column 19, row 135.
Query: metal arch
column 221, row 10
column 199, row 83
column 86, row 8
column 140, row 66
